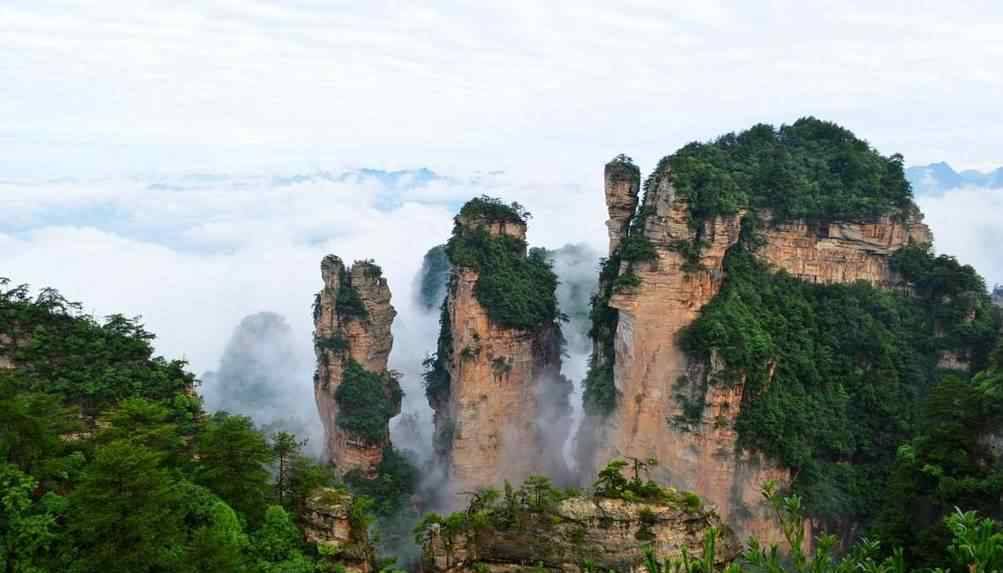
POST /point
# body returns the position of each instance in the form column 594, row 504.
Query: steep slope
column 689, row 408
column 356, row 394
column 500, row 402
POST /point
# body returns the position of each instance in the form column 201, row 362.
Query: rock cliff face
column 6, row 352
column 997, row 296
column 608, row 532
column 622, row 182
column 352, row 320
column 328, row 523
column 647, row 362
column 504, row 415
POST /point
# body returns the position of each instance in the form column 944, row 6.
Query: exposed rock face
column 648, row 363
column 507, row 404
column 327, row 522
column 623, row 181
column 6, row 352
column 350, row 328
column 997, row 296
column 608, row 532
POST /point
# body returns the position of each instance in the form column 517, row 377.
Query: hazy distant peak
column 937, row 178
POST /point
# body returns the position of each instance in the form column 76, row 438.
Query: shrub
column 366, row 401
column 516, row 290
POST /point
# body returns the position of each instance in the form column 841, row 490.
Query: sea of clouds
column 196, row 255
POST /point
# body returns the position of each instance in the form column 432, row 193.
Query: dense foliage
column 599, row 393
column 516, row 290
column 436, row 376
column 366, row 401
column 811, row 169
column 348, row 303
column 493, row 210
column 835, row 375
column 107, row 462
column 947, row 464
column 89, row 363
column 974, row 545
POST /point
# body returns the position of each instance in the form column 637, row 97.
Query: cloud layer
column 541, row 86
column 196, row 255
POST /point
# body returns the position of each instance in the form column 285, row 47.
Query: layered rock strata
column 647, row 362
column 351, row 325
column 609, row 533
column 622, row 183
column 327, row 522
column 505, row 414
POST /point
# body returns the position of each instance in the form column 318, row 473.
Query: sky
column 192, row 161
column 120, row 86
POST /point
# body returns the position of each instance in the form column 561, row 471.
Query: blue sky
column 117, row 86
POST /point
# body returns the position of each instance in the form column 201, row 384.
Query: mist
column 266, row 375
column 966, row 223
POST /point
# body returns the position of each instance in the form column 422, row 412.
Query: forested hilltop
column 771, row 307
column 109, row 463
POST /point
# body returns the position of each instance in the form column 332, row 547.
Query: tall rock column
column 622, row 182
column 664, row 295
column 356, row 394
column 501, row 404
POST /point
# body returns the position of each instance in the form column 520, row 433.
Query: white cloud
column 195, row 260
column 522, row 85
column 966, row 224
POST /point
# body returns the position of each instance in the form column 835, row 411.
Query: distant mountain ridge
column 936, row 178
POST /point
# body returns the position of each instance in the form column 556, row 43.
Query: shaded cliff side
column 356, row 394
column 669, row 260
column 501, row 404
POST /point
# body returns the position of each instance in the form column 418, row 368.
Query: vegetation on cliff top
column 494, row 210
column 534, row 505
column 516, row 290
column 811, row 169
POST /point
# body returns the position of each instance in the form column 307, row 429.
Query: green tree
column 29, row 529
column 125, row 514
column 144, row 423
column 31, row 426
column 233, row 460
column 277, row 547
column 285, row 447
column 220, row 543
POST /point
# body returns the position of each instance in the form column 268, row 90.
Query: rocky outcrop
column 997, row 296
column 352, row 320
column 504, row 412
column 328, row 523
column 622, row 183
column 609, row 533
column 6, row 352
column 648, row 365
